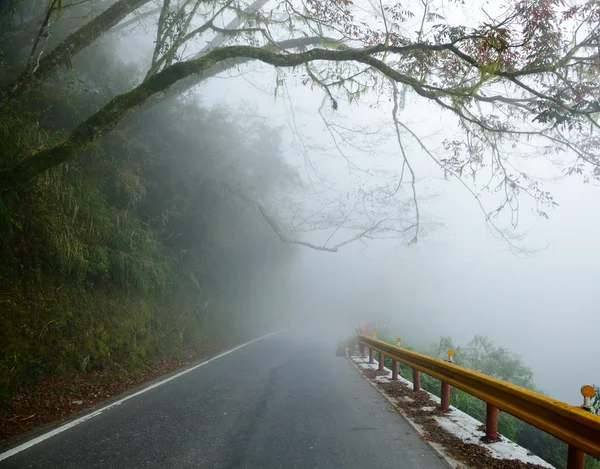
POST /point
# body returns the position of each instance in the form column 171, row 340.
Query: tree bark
column 189, row 82
column 107, row 118
column 77, row 41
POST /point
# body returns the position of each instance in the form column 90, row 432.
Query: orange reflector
column 587, row 390
column 450, row 353
column 398, row 339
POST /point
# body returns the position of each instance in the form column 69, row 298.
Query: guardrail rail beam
column 573, row 425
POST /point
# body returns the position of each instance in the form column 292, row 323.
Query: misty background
column 532, row 291
column 460, row 279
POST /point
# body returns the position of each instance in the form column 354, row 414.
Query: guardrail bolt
column 394, row 370
column 416, row 380
column 491, row 422
column 371, row 356
column 381, row 361
column 445, row 395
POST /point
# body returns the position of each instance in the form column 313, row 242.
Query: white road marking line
column 66, row 426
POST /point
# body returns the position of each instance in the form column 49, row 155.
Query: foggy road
column 276, row 403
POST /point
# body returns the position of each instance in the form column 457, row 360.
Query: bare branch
column 365, row 233
column 406, row 161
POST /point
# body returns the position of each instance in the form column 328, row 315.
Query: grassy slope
column 84, row 283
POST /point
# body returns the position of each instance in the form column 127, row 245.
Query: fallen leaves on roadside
column 472, row 455
column 55, row 399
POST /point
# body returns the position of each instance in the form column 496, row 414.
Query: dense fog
column 150, row 208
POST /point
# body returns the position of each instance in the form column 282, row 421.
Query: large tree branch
column 187, row 83
column 235, row 23
column 157, row 63
column 514, row 76
column 113, row 112
column 44, row 31
column 77, row 41
column 160, row 32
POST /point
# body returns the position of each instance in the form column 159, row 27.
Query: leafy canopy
column 524, row 73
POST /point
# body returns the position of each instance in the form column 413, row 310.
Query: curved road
column 275, row 403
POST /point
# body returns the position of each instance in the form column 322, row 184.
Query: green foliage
column 596, row 401
column 482, row 355
column 137, row 249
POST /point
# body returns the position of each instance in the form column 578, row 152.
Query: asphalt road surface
column 276, row 403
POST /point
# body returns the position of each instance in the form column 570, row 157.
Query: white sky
column 458, row 280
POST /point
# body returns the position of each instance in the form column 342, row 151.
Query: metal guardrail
column 574, row 425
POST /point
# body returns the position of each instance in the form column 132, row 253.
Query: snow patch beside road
column 462, row 425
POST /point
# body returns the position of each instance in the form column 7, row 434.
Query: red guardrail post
column 575, row 458
column 491, row 422
column 394, row 370
column 445, row 395
column 416, row 380
column 371, row 355
column 381, row 361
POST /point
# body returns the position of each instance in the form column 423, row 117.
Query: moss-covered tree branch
column 104, row 120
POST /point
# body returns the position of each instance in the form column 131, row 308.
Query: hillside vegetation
column 147, row 245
